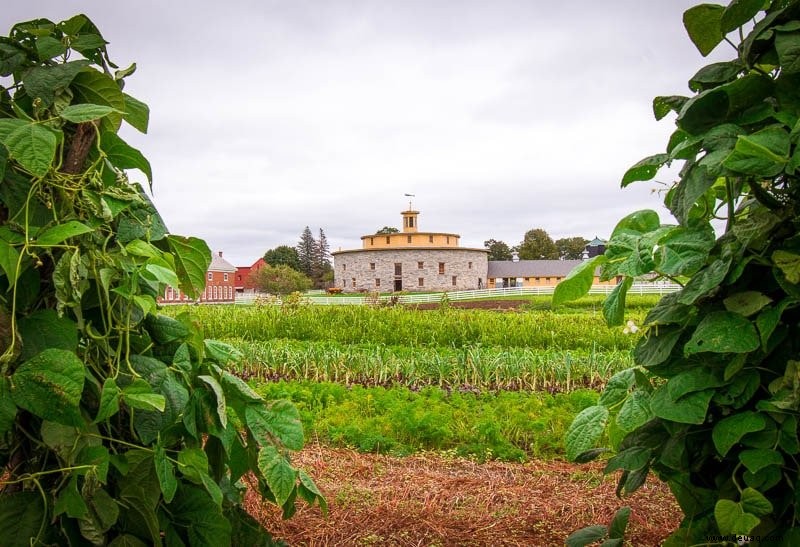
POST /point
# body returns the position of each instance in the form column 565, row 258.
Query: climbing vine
column 712, row 406
column 118, row 425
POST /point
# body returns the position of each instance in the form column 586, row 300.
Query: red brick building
column 243, row 282
column 220, row 285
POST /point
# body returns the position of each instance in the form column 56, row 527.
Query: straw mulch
column 434, row 499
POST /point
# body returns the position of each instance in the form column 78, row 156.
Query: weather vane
column 409, row 201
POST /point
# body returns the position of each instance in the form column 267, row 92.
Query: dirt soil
column 434, row 499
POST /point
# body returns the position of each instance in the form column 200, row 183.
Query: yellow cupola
column 410, row 222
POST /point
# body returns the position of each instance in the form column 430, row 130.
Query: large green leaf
column 764, row 153
column 140, row 395
column 219, row 394
column 635, row 411
column 136, row 113
column 638, row 222
column 277, row 420
column 50, row 385
column 44, row 81
column 94, row 87
column 755, row 502
column 723, row 332
column 235, row 388
column 123, row 155
column 32, row 145
column 22, row 518
column 630, row 459
column 732, row 519
column 578, row 281
column 44, row 329
column 80, row 113
column 789, row 264
column 614, row 304
column 619, row 523
column 703, row 23
column 70, row 501
column 756, row 459
column 729, row 431
column 192, row 258
column 59, row 233
column 278, row 473
column 201, row 519
column 692, row 380
column 721, row 104
column 787, row 44
column 715, row 74
column 587, row 536
column 664, row 105
column 746, row 303
column 165, row 471
column 688, row 191
column 690, row 409
column 585, row 430
column 738, row 13
column 617, row 388
column 705, row 281
column 140, row 493
column 645, row 169
column 683, row 250
column 165, row 329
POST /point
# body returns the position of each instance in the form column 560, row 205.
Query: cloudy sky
column 500, row 116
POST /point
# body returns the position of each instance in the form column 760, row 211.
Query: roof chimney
column 515, row 257
column 220, row 254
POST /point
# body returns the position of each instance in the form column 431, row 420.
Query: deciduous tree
column 537, row 245
column 498, row 250
column 280, row 279
column 283, row 255
column 571, row 248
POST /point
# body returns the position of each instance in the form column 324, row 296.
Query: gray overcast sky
column 501, row 116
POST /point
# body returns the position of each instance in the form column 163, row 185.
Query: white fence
column 636, row 288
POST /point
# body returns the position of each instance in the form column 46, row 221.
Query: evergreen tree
column 323, row 251
column 307, row 252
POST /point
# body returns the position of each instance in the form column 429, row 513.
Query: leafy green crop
column 712, row 406
column 503, row 425
column 118, row 426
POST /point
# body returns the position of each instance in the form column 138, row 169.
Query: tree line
column 304, row 266
column 538, row 245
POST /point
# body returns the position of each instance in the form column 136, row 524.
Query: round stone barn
column 410, row 260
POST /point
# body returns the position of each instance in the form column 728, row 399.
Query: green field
column 396, row 379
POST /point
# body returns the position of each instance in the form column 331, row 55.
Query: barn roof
column 531, row 268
